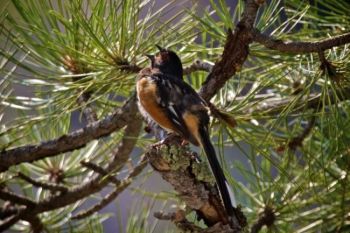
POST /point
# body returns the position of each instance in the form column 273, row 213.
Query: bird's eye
column 165, row 56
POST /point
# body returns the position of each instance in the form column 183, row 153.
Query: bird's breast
column 147, row 93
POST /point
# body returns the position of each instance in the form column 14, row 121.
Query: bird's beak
column 151, row 57
column 160, row 48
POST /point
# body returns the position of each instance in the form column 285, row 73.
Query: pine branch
column 194, row 193
column 35, row 224
column 198, row 65
column 104, row 202
column 300, row 47
column 101, row 171
column 7, row 210
column 16, row 199
column 198, row 195
column 297, row 141
column 48, row 186
column 73, row 66
column 266, row 218
column 87, row 110
column 120, row 187
column 235, row 52
column 236, row 44
column 7, row 223
column 71, row 141
column 80, row 191
column 313, row 101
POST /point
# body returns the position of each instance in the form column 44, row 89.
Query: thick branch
column 72, row 141
column 176, row 166
column 235, row 52
column 300, row 47
column 194, row 193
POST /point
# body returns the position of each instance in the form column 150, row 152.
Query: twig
column 314, row 101
column 322, row 59
column 101, row 171
column 7, row 210
column 105, row 201
column 35, row 224
column 164, row 216
column 119, row 188
column 87, row 110
column 327, row 67
column 139, row 167
column 266, row 218
column 180, row 220
column 49, row 186
column 7, row 223
column 300, row 47
column 298, row 140
column 76, row 67
column 198, row 65
column 126, row 66
column 75, row 140
column 16, row 199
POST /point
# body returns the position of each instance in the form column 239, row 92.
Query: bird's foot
column 166, row 141
column 184, row 143
column 195, row 157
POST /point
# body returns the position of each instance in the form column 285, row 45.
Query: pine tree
column 72, row 140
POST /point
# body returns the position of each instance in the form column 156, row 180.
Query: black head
column 167, row 62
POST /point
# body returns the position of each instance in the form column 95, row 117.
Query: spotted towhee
column 164, row 98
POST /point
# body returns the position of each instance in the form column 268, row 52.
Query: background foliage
column 294, row 155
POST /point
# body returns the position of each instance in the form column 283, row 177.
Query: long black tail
column 217, row 170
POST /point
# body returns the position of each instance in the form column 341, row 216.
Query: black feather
column 217, row 170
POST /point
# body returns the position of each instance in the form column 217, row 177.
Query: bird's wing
column 183, row 105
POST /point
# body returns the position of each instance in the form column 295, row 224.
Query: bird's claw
column 166, row 141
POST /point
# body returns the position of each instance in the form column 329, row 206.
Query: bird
column 167, row 100
column 167, row 62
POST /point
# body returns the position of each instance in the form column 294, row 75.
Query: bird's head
column 167, row 62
